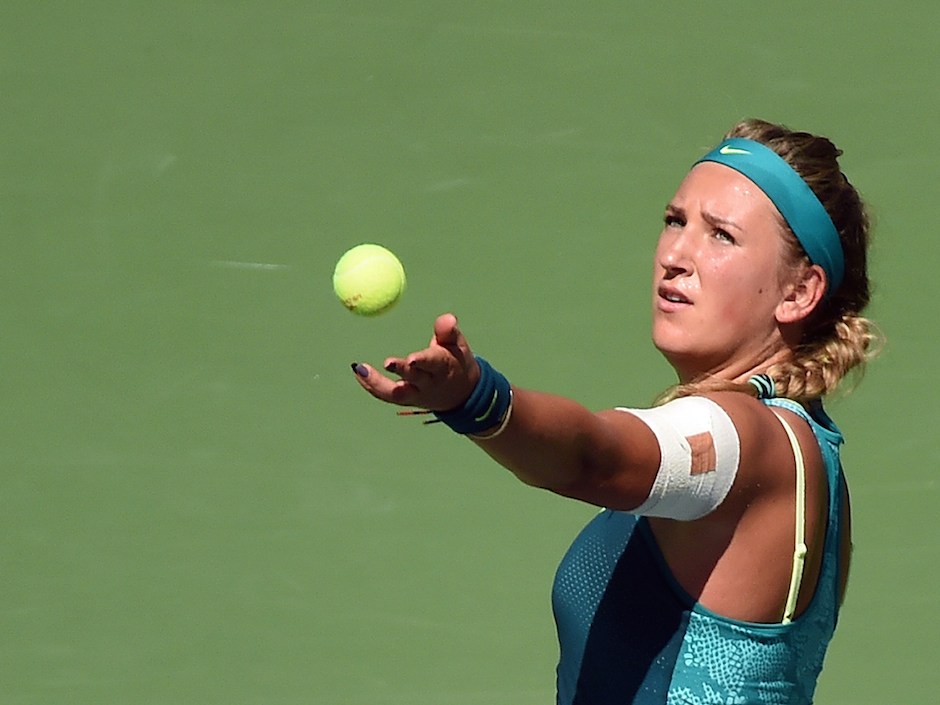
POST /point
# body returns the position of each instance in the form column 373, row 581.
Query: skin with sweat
column 727, row 302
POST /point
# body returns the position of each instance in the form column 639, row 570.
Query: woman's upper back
column 738, row 559
column 704, row 646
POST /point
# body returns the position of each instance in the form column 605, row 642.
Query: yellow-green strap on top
column 799, row 549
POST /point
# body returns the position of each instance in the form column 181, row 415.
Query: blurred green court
column 200, row 507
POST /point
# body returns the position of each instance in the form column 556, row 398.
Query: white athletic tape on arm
column 700, row 451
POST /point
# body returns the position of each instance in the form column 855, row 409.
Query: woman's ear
column 802, row 295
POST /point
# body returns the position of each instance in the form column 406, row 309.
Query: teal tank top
column 629, row 633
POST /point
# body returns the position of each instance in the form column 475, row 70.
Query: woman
column 716, row 570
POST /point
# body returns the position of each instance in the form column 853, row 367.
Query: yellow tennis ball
column 369, row 280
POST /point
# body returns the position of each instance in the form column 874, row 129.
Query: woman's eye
column 724, row 235
column 673, row 221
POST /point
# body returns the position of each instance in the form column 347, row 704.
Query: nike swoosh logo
column 732, row 150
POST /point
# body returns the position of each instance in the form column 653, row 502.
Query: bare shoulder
column 767, row 458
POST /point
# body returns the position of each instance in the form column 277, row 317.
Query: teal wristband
column 487, row 406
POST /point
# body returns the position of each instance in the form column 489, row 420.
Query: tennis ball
column 368, row 279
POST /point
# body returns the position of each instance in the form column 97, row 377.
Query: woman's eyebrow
column 721, row 221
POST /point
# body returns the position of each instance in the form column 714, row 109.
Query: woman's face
column 717, row 276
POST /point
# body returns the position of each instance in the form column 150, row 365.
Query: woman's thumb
column 446, row 332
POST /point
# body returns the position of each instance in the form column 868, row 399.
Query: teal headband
column 792, row 196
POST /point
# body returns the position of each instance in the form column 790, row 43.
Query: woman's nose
column 674, row 255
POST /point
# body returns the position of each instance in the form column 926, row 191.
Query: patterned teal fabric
column 628, row 633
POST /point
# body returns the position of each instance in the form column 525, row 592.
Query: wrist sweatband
column 487, row 406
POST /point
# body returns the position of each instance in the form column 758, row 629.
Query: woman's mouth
column 673, row 295
column 671, row 298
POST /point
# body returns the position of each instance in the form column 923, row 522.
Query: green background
column 200, row 506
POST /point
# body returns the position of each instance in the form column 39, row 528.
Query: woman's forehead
column 724, row 191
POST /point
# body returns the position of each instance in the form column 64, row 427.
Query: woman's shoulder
column 765, row 445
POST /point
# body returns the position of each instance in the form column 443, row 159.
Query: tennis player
column 716, row 569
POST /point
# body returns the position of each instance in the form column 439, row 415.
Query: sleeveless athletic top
column 629, row 633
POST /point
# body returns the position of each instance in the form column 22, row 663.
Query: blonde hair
column 837, row 339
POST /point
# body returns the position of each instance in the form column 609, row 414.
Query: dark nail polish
column 391, row 367
column 360, row 370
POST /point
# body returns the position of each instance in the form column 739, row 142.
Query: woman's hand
column 609, row 459
column 439, row 378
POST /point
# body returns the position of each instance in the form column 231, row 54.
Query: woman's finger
column 399, row 392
